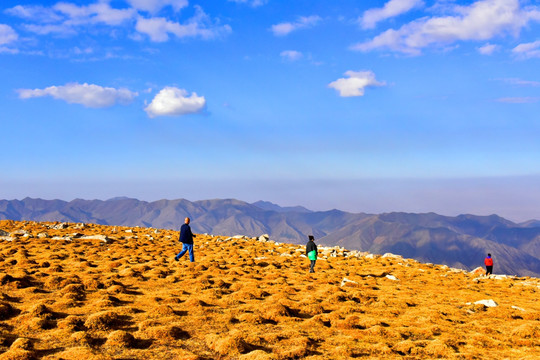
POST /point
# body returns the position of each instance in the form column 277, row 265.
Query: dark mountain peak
column 269, row 206
column 530, row 224
column 120, row 198
column 489, row 220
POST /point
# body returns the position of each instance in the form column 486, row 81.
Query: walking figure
column 488, row 261
column 311, row 252
column 186, row 238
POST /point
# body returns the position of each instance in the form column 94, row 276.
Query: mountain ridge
column 460, row 241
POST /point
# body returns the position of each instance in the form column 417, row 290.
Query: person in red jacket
column 489, row 264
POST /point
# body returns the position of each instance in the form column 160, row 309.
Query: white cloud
column 291, row 55
column 67, row 19
column 154, row 6
column 482, row 20
column 356, row 83
column 89, row 95
column 62, row 29
column 488, row 49
column 252, row 3
column 172, row 101
column 7, row 34
column 283, row 29
column 100, row 12
column 520, row 82
column 392, row 8
column 519, row 100
column 38, row 13
column 528, row 50
column 158, row 28
column 6, row 50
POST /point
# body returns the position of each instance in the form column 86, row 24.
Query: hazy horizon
column 515, row 199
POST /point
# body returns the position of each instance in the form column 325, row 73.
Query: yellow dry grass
column 243, row 299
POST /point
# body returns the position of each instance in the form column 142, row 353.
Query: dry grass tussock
column 67, row 295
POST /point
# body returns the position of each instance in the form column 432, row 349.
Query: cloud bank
column 482, row 20
column 68, row 19
column 356, row 83
column 159, row 28
column 153, row 6
column 172, row 101
column 88, row 95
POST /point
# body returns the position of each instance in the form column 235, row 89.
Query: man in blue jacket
column 186, row 238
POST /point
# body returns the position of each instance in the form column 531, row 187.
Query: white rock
column 302, row 255
column 393, row 256
column 345, row 281
column 7, row 238
column 103, row 238
column 517, row 308
column 66, row 238
column 129, row 231
column 501, row 277
column 42, row 235
column 488, row 303
column 392, row 277
column 370, row 256
column 286, row 255
column 478, row 270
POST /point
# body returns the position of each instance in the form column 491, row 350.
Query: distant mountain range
column 461, row 241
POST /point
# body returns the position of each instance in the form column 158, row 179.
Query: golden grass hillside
column 82, row 291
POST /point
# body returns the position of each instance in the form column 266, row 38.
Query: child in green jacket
column 311, row 252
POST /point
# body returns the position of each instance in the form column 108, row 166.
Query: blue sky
column 400, row 105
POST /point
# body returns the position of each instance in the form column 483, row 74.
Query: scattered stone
column 346, row 281
column 478, row 271
column 391, row 256
column 488, row 303
column 79, row 226
column 103, row 238
column 65, row 238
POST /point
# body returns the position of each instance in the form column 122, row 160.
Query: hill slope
column 461, row 241
column 72, row 291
